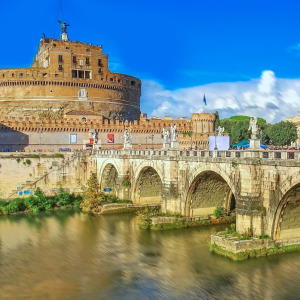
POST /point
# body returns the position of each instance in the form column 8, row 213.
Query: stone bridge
column 263, row 187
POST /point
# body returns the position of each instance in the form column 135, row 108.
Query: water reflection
column 70, row 255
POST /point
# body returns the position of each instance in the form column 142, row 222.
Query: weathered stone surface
column 195, row 183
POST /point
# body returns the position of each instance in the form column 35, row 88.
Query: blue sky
column 176, row 48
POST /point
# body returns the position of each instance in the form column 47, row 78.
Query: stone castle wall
column 41, row 133
column 51, row 84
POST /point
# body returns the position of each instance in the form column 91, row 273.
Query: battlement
column 86, row 122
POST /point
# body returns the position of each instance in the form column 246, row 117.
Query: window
column 60, row 67
column 21, row 74
column 87, row 61
column 81, row 62
column 99, row 71
column 73, row 138
column 74, row 74
column 133, row 83
column 74, row 60
column 60, row 58
column 100, row 62
column 81, row 74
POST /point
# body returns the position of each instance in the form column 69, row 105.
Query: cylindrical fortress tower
column 69, row 76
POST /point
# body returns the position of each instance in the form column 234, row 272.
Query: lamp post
column 152, row 138
column 215, row 148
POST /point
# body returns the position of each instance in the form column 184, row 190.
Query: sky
column 244, row 55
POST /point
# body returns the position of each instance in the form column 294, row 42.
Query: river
column 68, row 255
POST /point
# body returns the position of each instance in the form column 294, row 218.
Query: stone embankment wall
column 21, row 174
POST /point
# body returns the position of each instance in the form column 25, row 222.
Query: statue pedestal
column 127, row 146
column 254, row 144
column 174, row 145
column 166, row 146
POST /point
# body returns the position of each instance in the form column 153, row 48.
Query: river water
column 69, row 255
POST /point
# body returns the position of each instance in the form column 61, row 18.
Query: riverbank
column 179, row 222
column 121, row 208
column 239, row 248
column 39, row 202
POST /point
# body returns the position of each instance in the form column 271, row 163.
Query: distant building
column 69, row 92
column 66, row 76
column 296, row 121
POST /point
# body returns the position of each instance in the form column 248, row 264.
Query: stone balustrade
column 293, row 155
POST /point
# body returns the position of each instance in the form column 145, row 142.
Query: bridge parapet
column 276, row 155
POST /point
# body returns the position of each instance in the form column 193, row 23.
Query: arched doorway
column 109, row 179
column 208, row 191
column 148, row 187
column 287, row 220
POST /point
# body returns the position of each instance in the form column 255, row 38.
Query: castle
column 69, row 91
column 69, row 76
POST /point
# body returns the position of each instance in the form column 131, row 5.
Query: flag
column 204, row 100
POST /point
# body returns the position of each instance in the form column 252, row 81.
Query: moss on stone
column 179, row 223
column 254, row 253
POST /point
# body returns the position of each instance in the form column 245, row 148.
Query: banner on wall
column 110, row 138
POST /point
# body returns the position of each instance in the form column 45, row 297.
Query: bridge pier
column 250, row 215
column 171, row 201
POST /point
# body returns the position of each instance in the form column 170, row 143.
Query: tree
column 282, row 133
column 92, row 197
column 237, row 127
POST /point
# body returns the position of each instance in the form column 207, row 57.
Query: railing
column 216, row 154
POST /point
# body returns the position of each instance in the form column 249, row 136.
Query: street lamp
column 215, row 148
column 152, row 137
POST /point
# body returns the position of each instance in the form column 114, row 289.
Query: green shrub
column 264, row 236
column 126, row 183
column 231, row 229
column 2, row 202
column 40, row 202
column 219, row 212
column 27, row 162
column 62, row 198
column 31, row 202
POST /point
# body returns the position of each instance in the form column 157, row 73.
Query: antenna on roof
column 63, row 30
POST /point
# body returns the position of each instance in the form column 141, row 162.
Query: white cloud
column 268, row 97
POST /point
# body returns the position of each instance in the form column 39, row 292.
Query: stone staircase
column 29, row 184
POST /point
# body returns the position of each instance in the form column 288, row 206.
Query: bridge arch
column 148, row 186
column 208, row 190
column 286, row 221
column 109, row 178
